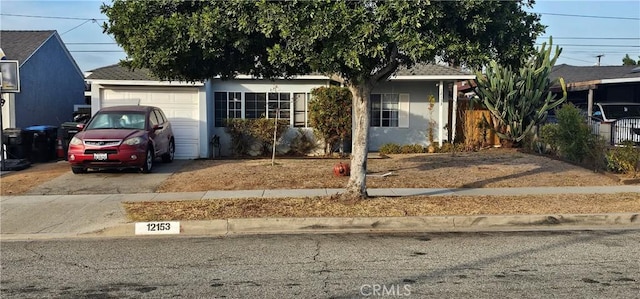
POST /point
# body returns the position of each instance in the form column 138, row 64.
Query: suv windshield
column 616, row 111
column 117, row 120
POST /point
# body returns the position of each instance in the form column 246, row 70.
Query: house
column 592, row 84
column 587, row 85
column 402, row 109
column 51, row 82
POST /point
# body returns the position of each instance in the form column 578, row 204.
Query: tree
column 629, row 61
column 363, row 42
column 520, row 100
column 330, row 115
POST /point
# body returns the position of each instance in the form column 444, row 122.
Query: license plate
column 100, row 156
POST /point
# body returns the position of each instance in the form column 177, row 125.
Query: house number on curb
column 157, row 228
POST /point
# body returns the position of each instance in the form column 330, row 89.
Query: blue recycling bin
column 44, row 142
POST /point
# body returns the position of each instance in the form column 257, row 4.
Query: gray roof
column 430, row 70
column 573, row 74
column 20, row 45
column 117, row 72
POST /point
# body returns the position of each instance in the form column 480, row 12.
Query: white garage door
column 180, row 105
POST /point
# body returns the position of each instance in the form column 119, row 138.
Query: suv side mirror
column 157, row 127
column 80, row 126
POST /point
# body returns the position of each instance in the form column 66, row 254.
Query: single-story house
column 51, row 82
column 593, row 84
column 402, row 109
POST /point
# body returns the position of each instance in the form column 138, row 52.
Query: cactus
column 518, row 101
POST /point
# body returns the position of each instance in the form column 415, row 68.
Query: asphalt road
column 597, row 264
column 109, row 181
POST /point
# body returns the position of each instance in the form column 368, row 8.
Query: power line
column 95, row 51
column 587, row 16
column 50, row 17
column 606, row 46
column 597, row 38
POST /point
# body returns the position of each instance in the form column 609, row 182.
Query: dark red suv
column 122, row 137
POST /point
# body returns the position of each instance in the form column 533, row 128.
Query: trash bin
column 17, row 143
column 44, row 143
column 66, row 131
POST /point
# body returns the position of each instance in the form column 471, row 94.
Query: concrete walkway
column 102, row 215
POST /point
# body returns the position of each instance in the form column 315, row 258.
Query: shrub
column 244, row 132
column 390, row 148
column 237, row 130
column 625, row 159
column 574, row 137
column 411, row 149
column 549, row 135
column 330, row 115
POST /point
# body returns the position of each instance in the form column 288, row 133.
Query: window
column 300, row 113
column 228, row 105
column 256, row 105
column 384, row 110
column 279, row 102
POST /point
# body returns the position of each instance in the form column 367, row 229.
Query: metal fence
column 625, row 129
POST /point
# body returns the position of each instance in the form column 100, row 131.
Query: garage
column 184, row 103
column 180, row 104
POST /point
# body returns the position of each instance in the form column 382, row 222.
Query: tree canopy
column 364, row 42
column 629, row 61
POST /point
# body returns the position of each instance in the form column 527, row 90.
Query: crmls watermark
column 382, row 290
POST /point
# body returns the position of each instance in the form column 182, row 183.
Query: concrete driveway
column 109, row 181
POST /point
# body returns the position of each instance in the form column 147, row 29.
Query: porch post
column 440, row 113
column 590, row 103
column 454, row 118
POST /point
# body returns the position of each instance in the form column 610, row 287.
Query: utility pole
column 599, row 56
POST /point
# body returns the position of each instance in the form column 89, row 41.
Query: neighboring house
column 400, row 107
column 587, row 85
column 51, row 82
column 592, row 84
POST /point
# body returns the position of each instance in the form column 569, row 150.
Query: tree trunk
column 357, row 188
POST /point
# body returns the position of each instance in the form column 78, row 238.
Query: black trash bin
column 44, row 143
column 17, row 143
column 66, row 131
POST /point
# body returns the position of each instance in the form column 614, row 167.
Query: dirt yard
column 488, row 168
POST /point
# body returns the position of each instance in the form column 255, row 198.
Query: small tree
column 330, row 115
column 518, row 101
column 629, row 61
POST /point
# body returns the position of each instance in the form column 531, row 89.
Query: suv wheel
column 148, row 161
column 168, row 156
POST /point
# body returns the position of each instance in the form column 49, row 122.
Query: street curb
column 494, row 223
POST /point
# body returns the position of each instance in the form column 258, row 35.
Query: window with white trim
column 280, row 103
column 256, row 105
column 384, row 110
column 300, row 109
column 228, row 105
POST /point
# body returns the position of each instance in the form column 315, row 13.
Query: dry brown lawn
column 488, row 168
column 18, row 182
column 383, row 207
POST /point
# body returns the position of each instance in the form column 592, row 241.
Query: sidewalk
column 93, row 215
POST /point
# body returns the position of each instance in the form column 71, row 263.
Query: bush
column 412, row 149
column 625, row 159
column 330, row 115
column 573, row 138
column 390, row 148
column 237, row 130
column 244, row 132
column 549, row 135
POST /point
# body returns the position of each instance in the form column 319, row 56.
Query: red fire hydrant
column 341, row 169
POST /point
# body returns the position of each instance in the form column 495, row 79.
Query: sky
column 584, row 29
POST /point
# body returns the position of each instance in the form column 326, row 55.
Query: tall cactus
column 518, row 101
